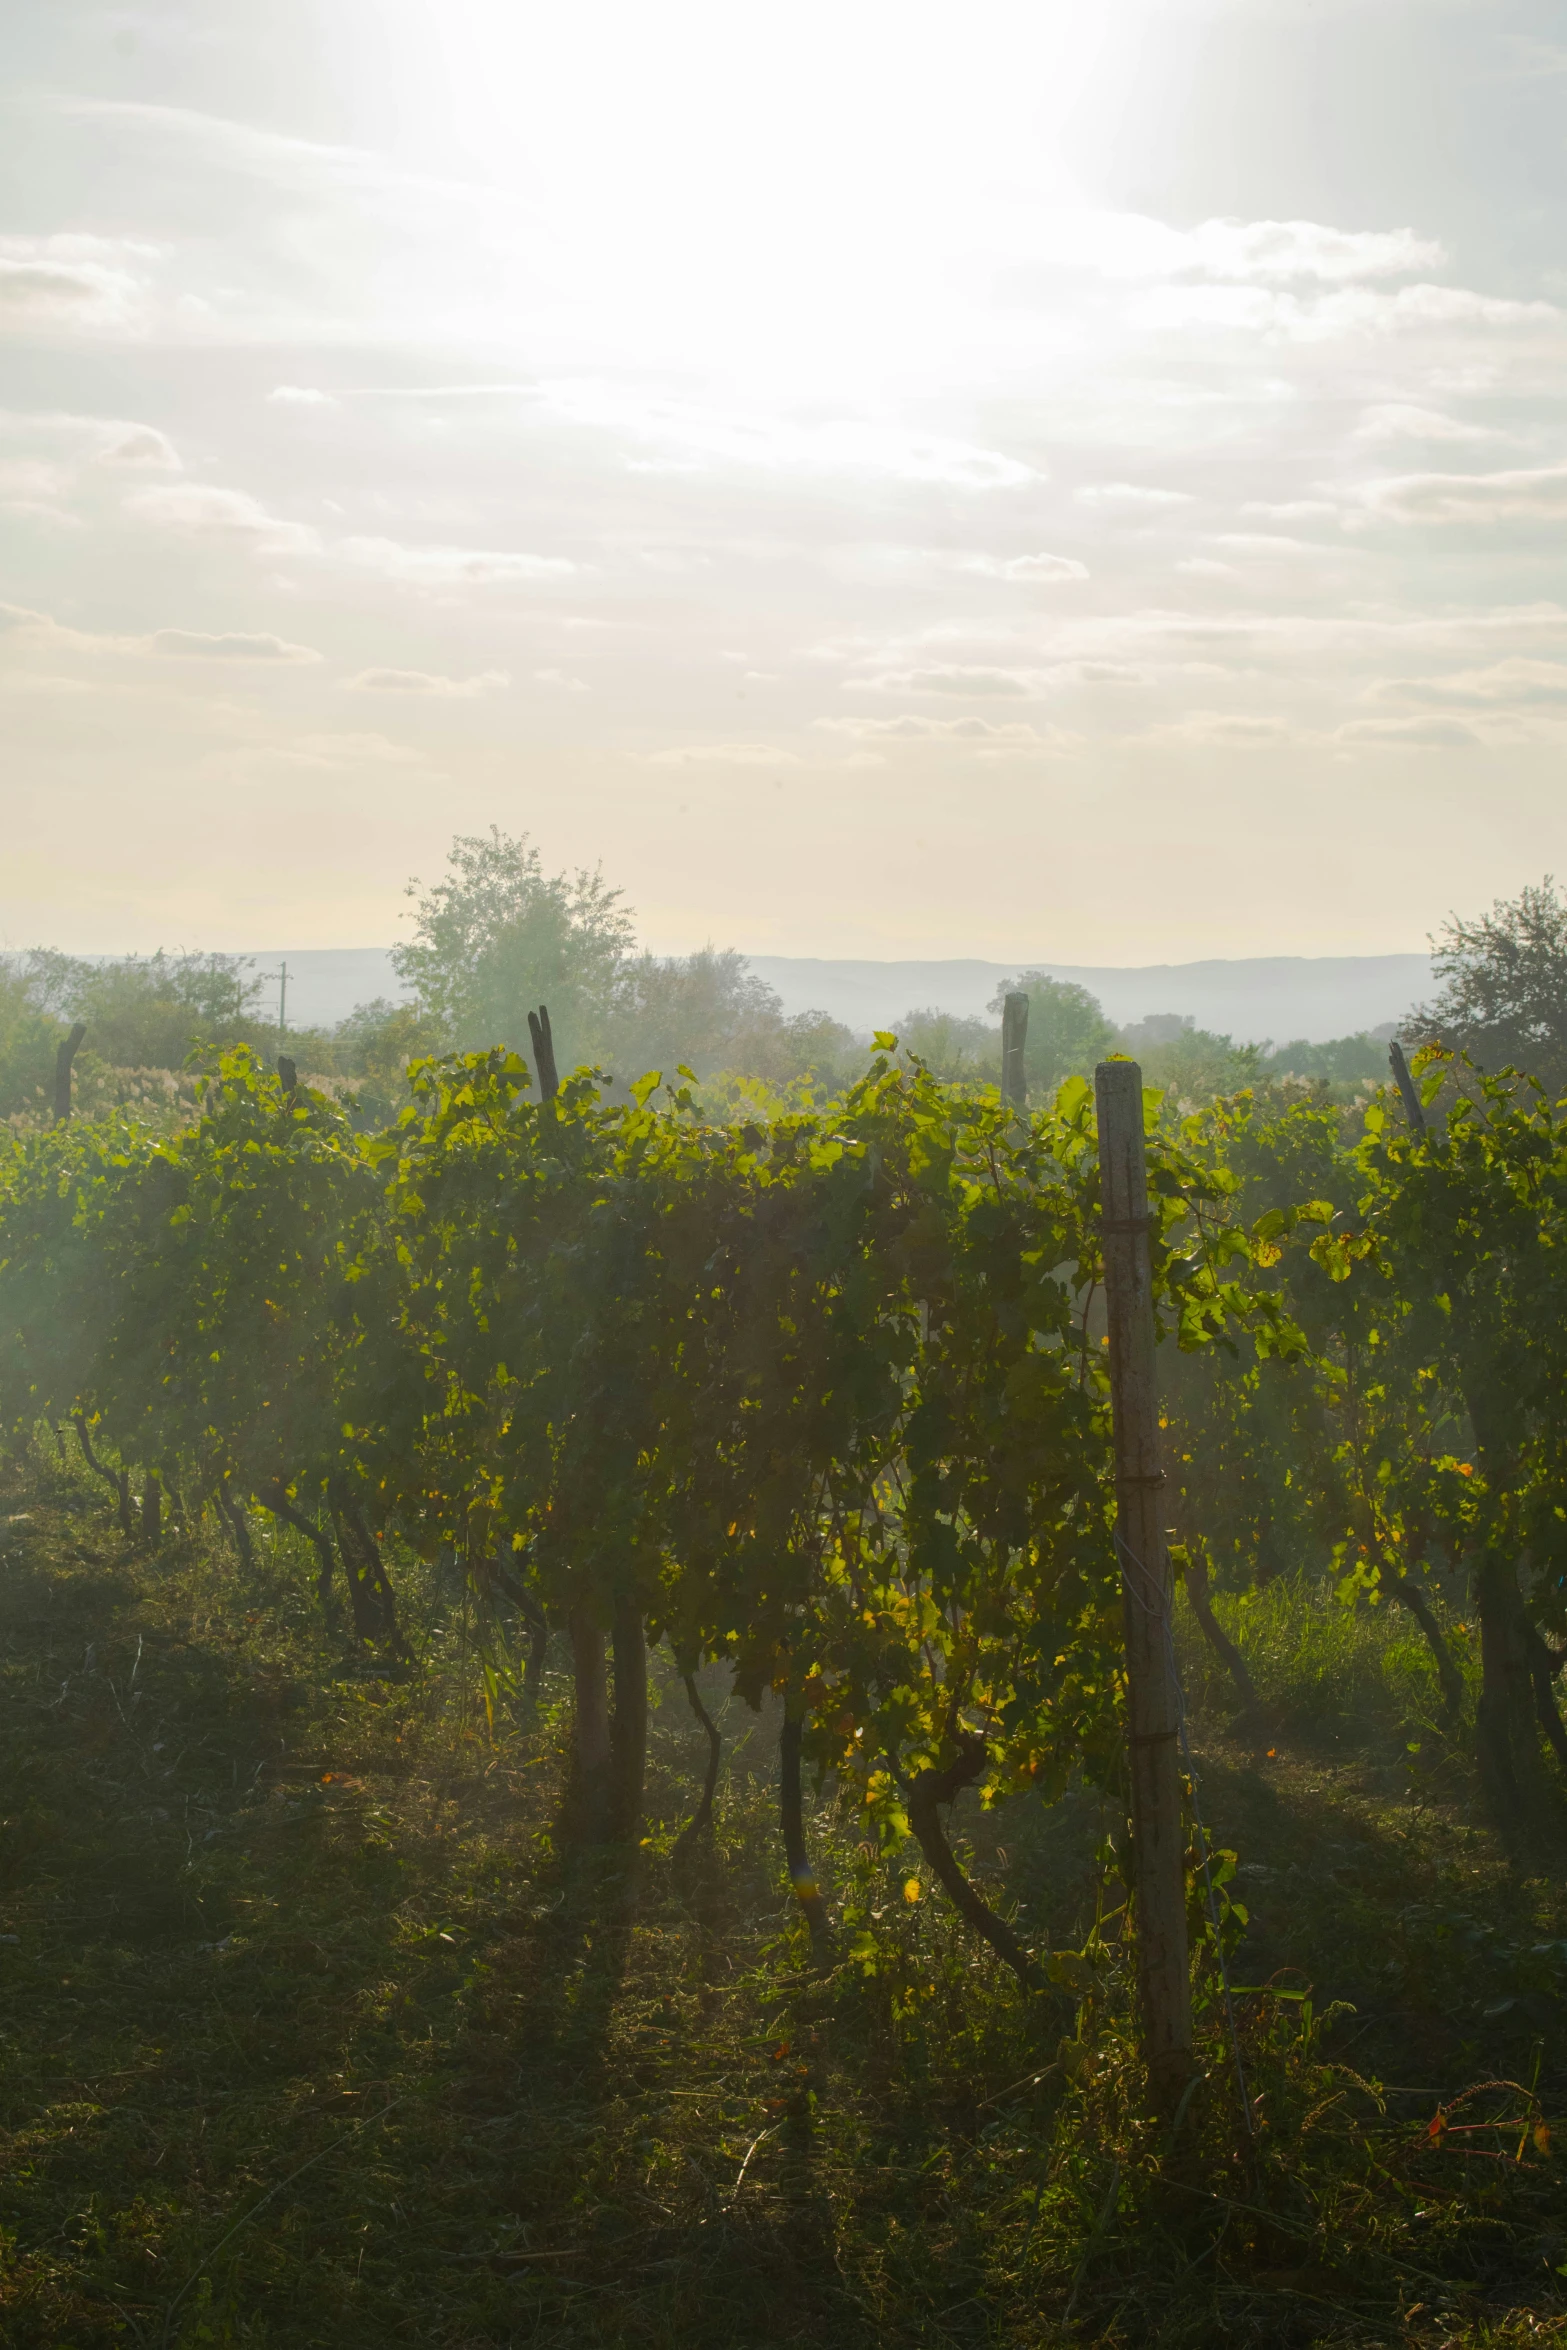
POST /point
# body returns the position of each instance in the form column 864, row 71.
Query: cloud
column 445, row 566
column 1393, row 421
column 1217, row 730
column 1132, row 247
column 945, row 678
column 1130, row 497
column 1273, row 314
column 53, row 462
column 187, row 644
column 300, row 396
column 19, row 618
column 560, row 679
column 1292, row 509
column 1429, row 734
column 423, row 682
column 1517, row 683
column 85, row 284
column 1275, row 251
column 349, row 750
column 1029, row 570
column 200, row 510
column 724, row 755
column 983, row 733
column 699, row 437
column 1536, row 494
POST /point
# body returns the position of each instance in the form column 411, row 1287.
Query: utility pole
column 1147, row 1593
column 282, row 1005
column 1014, row 1036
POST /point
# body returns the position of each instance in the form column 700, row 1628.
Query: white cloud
column 1218, row 730
column 82, row 284
column 1275, row 251
column 200, row 510
column 724, row 755
column 1293, row 509
column 349, row 750
column 56, row 464
column 981, row 733
column 946, row 678
column 300, row 396
column 422, row 682
column 446, row 566
column 1515, row 683
column 696, row 437
column 1028, row 570
column 1274, row 315
column 1394, row 421
column 560, row 679
column 1131, row 497
column 1536, row 494
column 188, row 644
column 1411, row 734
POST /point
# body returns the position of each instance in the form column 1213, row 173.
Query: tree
column 374, row 1046
column 952, row 1047
column 1503, row 998
column 711, row 1012
column 497, row 936
column 151, row 1011
column 28, row 1037
column 1195, row 1065
column 1067, row 1029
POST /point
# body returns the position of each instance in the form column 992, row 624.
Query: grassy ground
column 311, row 2035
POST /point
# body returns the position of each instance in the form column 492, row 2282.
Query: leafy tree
column 1196, row 1066
column 951, row 1047
column 710, row 1012
column 1503, row 998
column 1067, row 1029
column 152, row 1011
column 374, row 1047
column 1342, row 1061
column 496, row 936
column 28, row 1037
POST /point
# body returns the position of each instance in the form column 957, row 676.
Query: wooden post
column 1409, row 1092
column 63, row 1058
column 1014, row 1036
column 544, row 1053
column 1147, row 1589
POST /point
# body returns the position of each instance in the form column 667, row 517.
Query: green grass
column 313, row 2034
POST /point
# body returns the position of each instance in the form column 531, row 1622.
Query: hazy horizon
column 888, row 484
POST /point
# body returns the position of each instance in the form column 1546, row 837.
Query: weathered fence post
column 1014, row 1036
column 544, row 1053
column 1409, row 1092
column 1153, row 1700
column 65, row 1055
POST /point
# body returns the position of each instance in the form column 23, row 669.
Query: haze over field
column 906, row 483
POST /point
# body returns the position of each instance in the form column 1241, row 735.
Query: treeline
column 497, row 934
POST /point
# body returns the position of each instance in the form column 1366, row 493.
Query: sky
column 1010, row 479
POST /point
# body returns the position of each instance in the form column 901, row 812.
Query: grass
column 314, row 2035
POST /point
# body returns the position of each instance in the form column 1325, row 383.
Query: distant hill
column 1273, row 996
